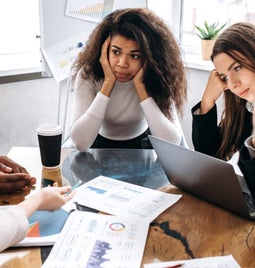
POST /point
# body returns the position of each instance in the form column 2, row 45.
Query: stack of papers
column 117, row 240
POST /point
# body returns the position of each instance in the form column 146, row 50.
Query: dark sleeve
column 205, row 131
column 247, row 166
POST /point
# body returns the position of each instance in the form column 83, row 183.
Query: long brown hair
column 164, row 75
column 238, row 41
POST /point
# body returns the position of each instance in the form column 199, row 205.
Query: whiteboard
column 61, row 33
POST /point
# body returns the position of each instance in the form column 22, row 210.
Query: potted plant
column 208, row 34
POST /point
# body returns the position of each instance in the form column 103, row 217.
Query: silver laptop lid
column 204, row 176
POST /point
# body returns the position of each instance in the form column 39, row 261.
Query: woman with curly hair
column 130, row 82
column 234, row 76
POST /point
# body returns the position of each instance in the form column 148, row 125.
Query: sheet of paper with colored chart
column 96, row 10
column 123, row 199
column 97, row 240
column 61, row 56
column 44, row 228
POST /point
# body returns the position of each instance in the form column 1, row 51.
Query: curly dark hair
column 164, row 76
column 238, row 42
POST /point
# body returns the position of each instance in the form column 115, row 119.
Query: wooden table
column 192, row 228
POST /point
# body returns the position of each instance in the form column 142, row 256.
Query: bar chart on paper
column 93, row 10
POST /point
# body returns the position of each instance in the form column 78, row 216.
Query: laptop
column 209, row 178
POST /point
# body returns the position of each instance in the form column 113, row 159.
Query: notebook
column 204, row 176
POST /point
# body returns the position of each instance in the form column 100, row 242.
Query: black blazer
column 247, row 166
column 206, row 133
column 206, row 137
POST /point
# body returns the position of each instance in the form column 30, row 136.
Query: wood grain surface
column 192, row 228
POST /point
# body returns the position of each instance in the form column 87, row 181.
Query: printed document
column 97, row 240
column 209, row 262
column 123, row 199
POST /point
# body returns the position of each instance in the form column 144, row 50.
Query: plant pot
column 207, row 47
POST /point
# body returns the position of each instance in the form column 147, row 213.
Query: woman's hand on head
column 138, row 78
column 108, row 74
column 139, row 84
column 214, row 88
column 109, row 78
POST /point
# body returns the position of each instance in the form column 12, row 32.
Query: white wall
column 24, row 105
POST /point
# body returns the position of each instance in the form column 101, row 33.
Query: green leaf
column 210, row 31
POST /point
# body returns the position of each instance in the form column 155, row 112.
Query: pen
column 76, row 185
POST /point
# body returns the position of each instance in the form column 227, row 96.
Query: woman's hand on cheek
column 108, row 74
column 140, row 86
column 138, row 78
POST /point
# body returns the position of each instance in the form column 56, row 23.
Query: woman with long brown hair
column 130, row 81
column 234, row 76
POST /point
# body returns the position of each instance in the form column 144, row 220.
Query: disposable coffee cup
column 49, row 138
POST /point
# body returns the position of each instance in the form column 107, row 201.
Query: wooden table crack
column 165, row 227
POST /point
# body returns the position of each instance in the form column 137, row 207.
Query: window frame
column 22, row 59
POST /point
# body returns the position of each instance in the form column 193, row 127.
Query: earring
column 249, row 106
